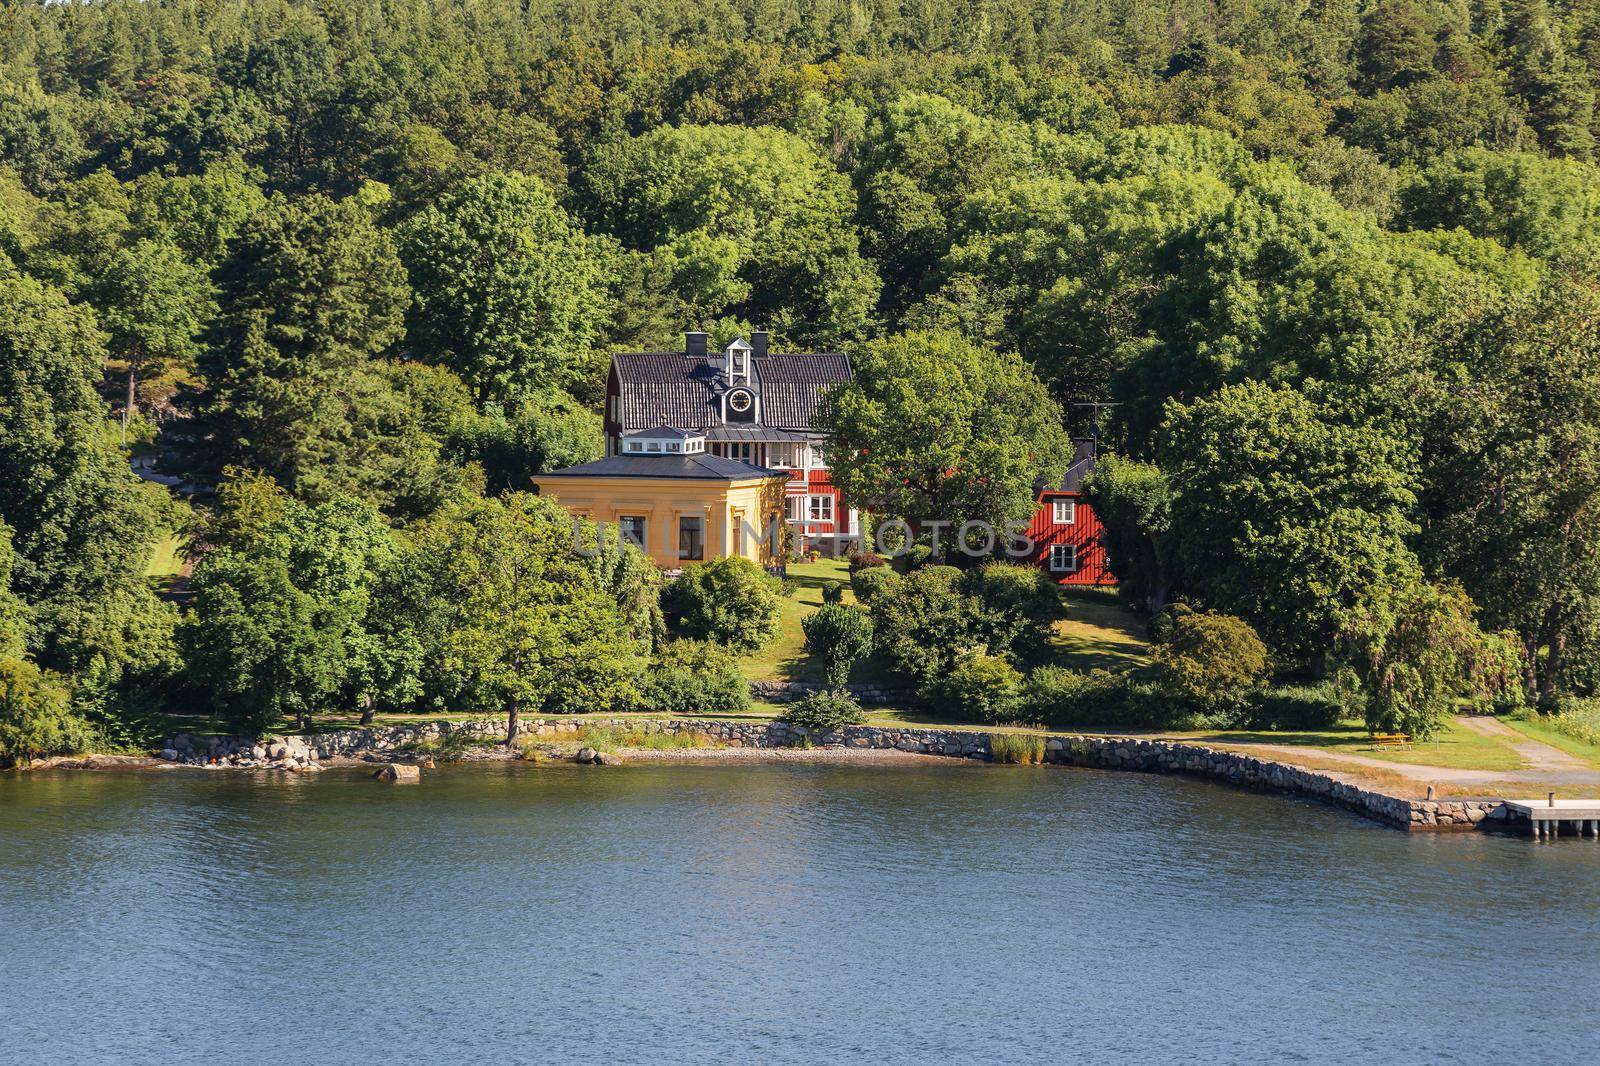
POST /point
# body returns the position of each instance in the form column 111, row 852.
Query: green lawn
column 1099, row 631
column 785, row 659
column 1459, row 749
column 166, row 561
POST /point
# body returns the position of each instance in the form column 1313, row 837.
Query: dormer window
column 664, row 440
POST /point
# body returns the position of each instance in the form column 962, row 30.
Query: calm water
column 770, row 914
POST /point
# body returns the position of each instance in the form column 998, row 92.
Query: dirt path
column 1545, row 764
column 1538, row 755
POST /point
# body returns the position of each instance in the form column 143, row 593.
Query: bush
column 1099, row 699
column 833, row 592
column 36, row 717
column 1016, row 607
column 730, row 601
column 867, row 583
column 1025, row 749
column 860, row 561
column 1295, row 707
column 826, row 712
column 922, row 622
column 1160, row 628
column 838, row 635
column 1212, row 659
column 981, row 688
column 691, row 677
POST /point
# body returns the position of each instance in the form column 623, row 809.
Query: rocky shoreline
column 780, row 741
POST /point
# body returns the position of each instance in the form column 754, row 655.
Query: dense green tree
column 838, row 635
column 506, row 290
column 283, row 625
column 522, row 623
column 749, row 225
column 1283, row 515
column 82, row 524
column 1513, row 474
column 1548, row 207
column 933, row 428
column 311, row 291
column 36, row 716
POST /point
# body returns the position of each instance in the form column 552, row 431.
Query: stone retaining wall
column 1108, row 753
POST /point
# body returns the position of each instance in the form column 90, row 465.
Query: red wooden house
column 1065, row 531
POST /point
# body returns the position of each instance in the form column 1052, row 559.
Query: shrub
column 838, row 635
column 731, row 601
column 980, row 688
column 922, row 623
column 1212, row 659
column 860, row 561
column 826, row 712
column 1160, row 628
column 36, row 717
column 867, row 583
column 692, row 677
column 1016, row 607
column 1025, row 749
column 1295, row 707
column 1099, row 699
column 833, row 592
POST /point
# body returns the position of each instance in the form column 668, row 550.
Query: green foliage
column 1016, row 607
column 693, row 677
column 1212, row 659
column 507, row 291
column 1166, row 620
column 1415, row 650
column 739, row 225
column 36, row 716
column 1296, row 707
column 1133, row 501
column 825, row 711
column 922, row 623
column 833, row 591
column 838, row 635
column 935, row 428
column 729, row 601
column 979, row 688
column 866, row 584
column 1070, row 699
column 1287, row 516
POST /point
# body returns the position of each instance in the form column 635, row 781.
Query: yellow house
column 676, row 501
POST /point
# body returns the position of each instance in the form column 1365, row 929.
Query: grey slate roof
column 674, row 389
column 697, row 467
column 745, row 431
column 664, row 432
column 1082, row 465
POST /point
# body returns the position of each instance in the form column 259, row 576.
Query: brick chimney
column 694, row 345
column 758, row 343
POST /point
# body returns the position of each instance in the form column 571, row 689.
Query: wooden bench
column 1398, row 741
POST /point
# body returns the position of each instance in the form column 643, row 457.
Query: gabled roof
column 692, row 467
column 1082, row 465
column 670, row 388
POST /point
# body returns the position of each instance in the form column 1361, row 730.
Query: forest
column 347, row 274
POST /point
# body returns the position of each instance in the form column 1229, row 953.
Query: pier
column 1545, row 816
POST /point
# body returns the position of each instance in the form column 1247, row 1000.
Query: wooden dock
column 1545, row 816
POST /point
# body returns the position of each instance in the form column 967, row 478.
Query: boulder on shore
column 398, row 772
column 587, row 755
column 608, row 758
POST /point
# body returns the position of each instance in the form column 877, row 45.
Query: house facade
column 1065, row 531
column 751, row 405
column 681, row 504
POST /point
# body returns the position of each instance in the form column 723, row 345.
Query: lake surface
column 663, row 914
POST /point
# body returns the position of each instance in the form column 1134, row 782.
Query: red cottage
column 751, row 404
column 1065, row 531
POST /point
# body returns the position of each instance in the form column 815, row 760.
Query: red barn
column 1065, row 531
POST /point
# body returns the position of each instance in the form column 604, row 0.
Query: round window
column 740, row 401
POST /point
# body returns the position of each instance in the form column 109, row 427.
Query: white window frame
column 794, row 508
column 1066, row 565
column 814, row 512
column 1064, row 512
